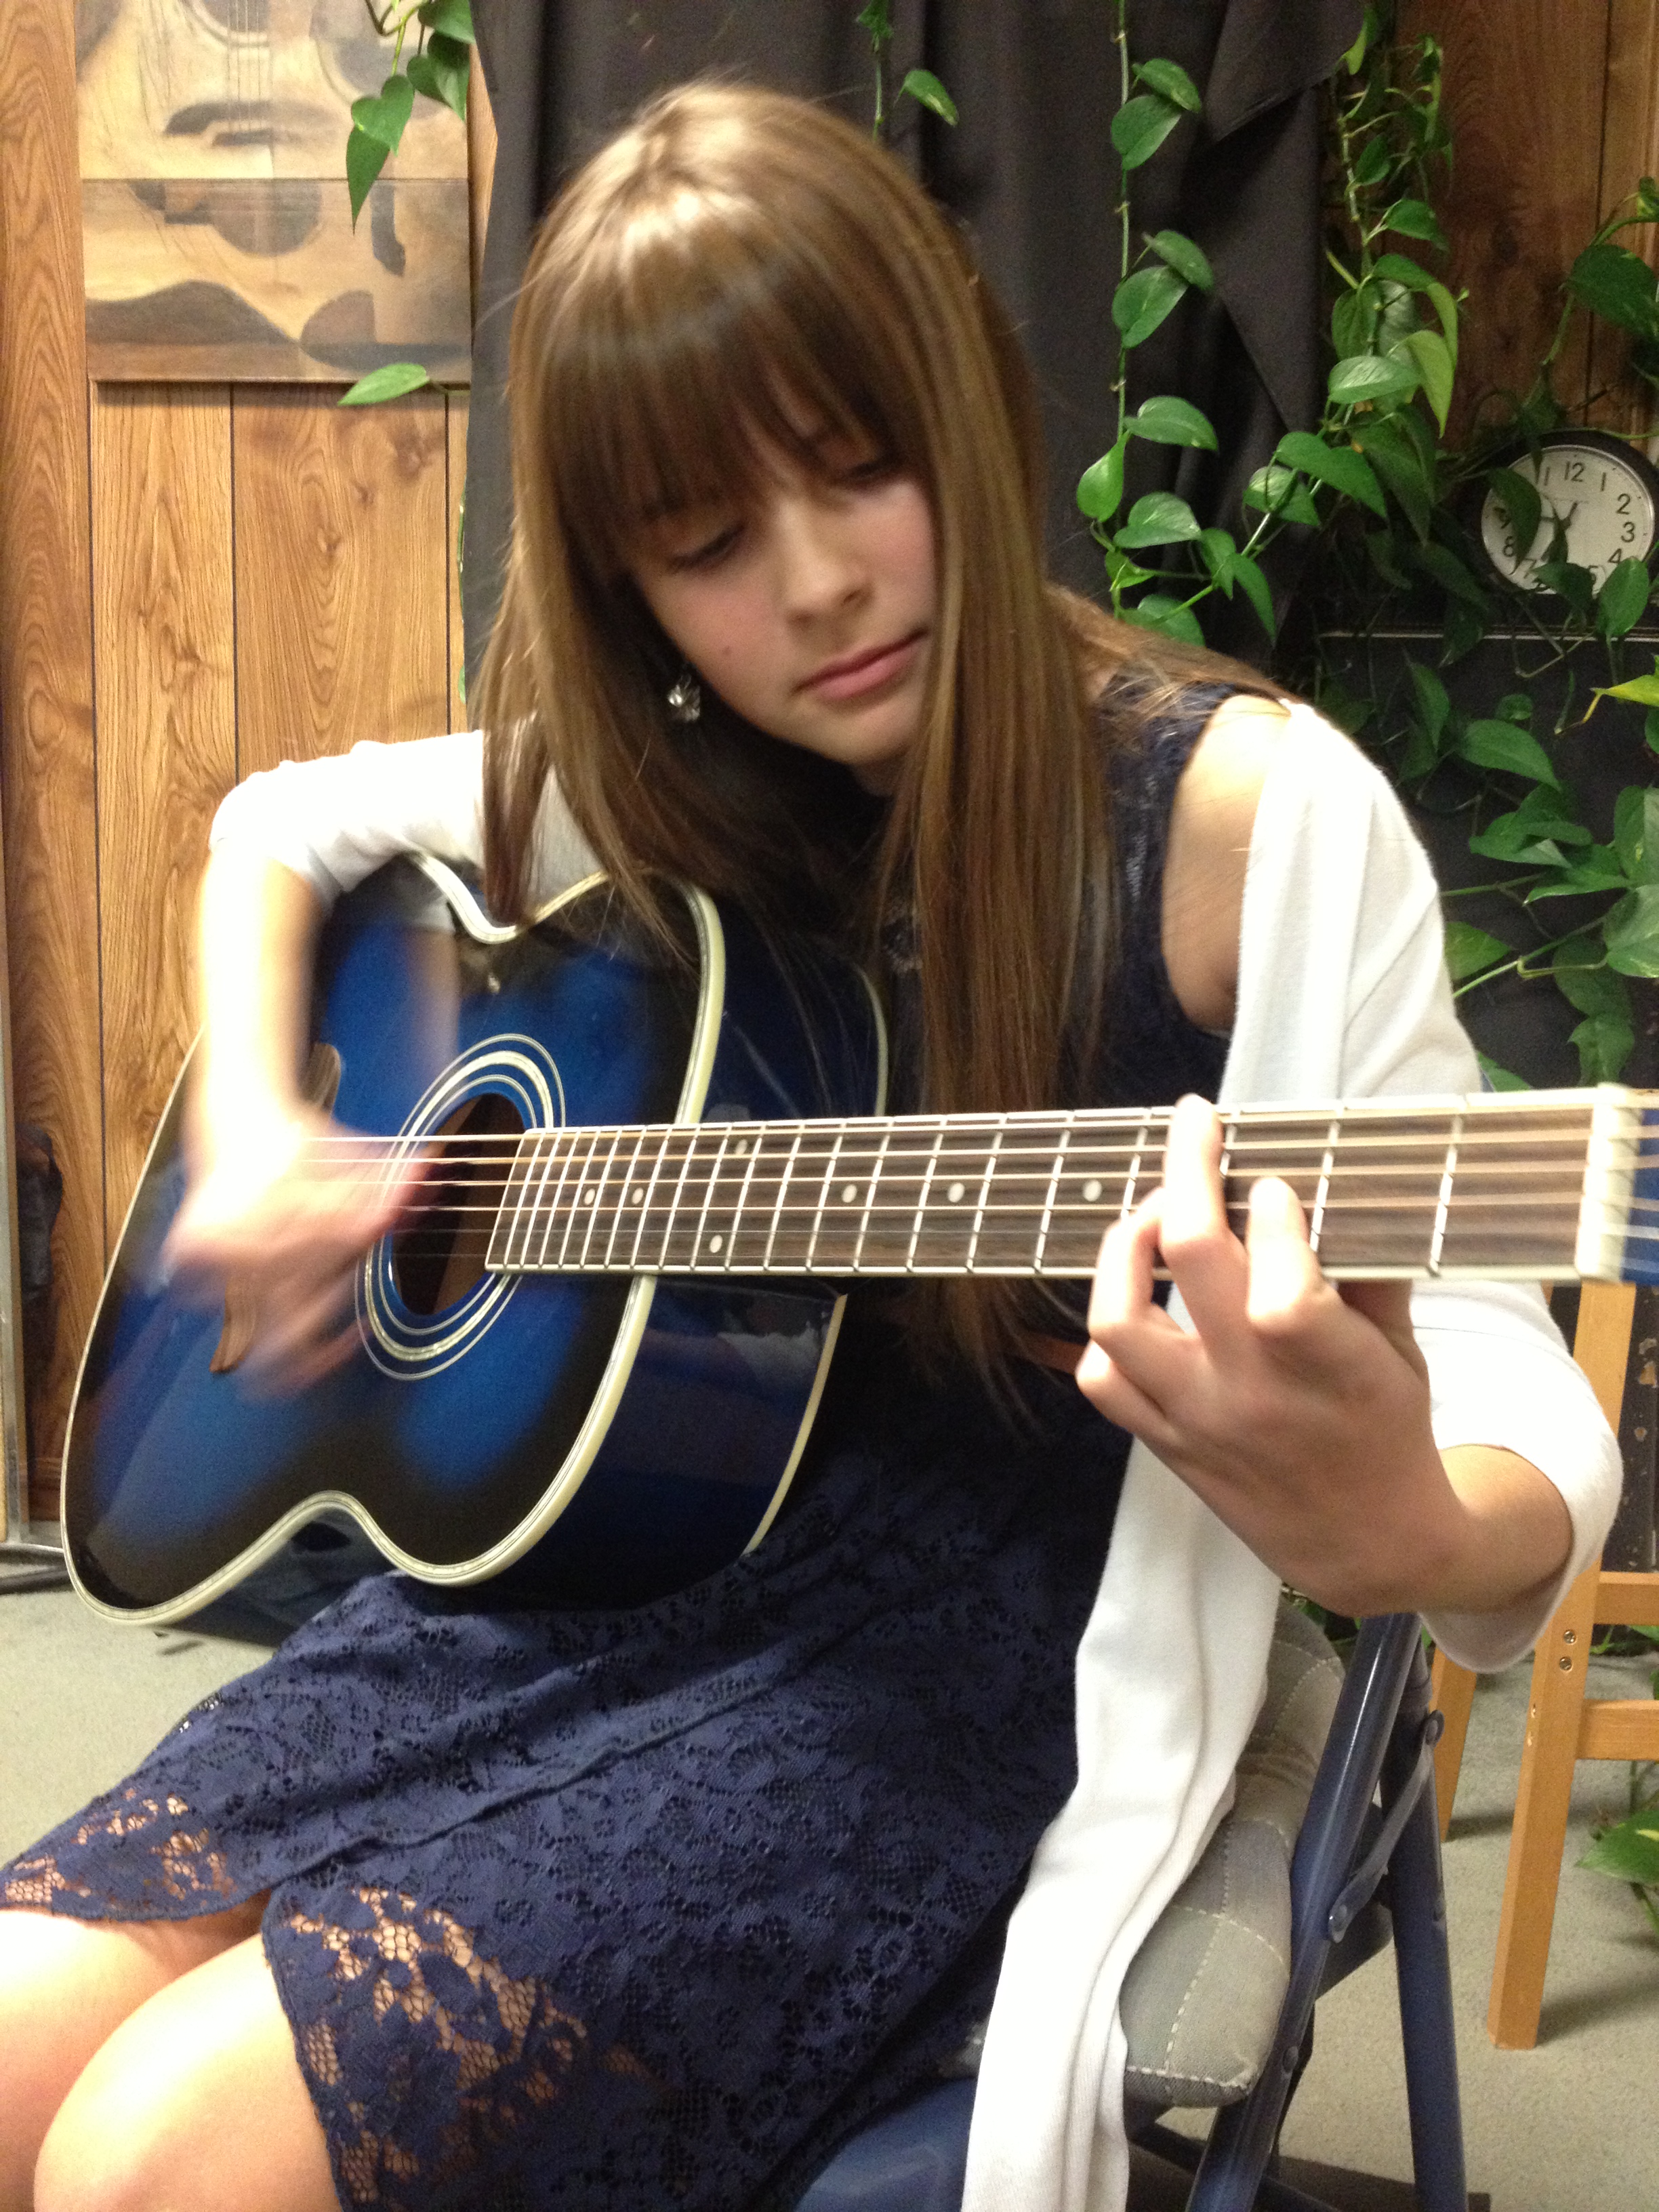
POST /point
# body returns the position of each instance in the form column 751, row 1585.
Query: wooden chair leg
column 1553, row 1714
column 1453, row 1694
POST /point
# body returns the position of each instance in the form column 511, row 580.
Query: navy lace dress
column 584, row 1909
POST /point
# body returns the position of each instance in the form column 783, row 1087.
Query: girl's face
column 810, row 613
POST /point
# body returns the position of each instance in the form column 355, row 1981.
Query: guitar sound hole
column 440, row 1256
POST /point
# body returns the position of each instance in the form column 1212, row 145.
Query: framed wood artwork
column 219, row 244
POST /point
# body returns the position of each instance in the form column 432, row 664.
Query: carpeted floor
column 1565, row 2127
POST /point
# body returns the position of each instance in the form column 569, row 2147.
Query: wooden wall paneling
column 163, row 629
column 342, row 586
column 456, row 430
column 1630, row 151
column 1525, row 85
column 46, row 758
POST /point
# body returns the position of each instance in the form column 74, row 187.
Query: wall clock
column 1605, row 493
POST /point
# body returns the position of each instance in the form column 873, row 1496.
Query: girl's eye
column 872, row 468
column 706, row 552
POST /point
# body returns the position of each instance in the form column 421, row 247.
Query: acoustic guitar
column 590, row 1358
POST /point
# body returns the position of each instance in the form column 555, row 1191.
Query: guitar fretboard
column 1538, row 1188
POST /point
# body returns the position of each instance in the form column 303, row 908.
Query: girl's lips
column 860, row 672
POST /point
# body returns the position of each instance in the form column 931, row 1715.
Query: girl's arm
column 1302, row 1413
column 283, row 1202
column 1300, row 1410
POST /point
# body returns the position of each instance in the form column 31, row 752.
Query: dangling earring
column 685, row 697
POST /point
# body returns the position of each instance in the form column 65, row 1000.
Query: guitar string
column 1036, row 1162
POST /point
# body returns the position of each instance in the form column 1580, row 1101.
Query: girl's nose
column 820, row 567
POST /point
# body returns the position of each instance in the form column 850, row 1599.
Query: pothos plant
column 437, row 37
column 1394, row 506
column 1627, row 1850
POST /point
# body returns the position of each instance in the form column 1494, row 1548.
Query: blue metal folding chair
column 1368, row 1855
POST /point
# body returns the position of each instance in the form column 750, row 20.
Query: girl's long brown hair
column 735, row 273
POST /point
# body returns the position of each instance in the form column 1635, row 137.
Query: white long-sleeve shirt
column 1342, row 994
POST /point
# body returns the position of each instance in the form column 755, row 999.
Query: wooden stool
column 1563, row 1726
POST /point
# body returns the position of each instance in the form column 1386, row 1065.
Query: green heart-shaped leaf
column 1158, row 519
column 1142, row 301
column 1632, row 933
column 1141, row 126
column 392, row 382
column 1171, row 616
column 1469, row 949
column 365, row 159
column 1167, row 420
column 453, row 18
column 923, row 86
column 1340, row 466
column 1371, row 379
column 1184, row 258
column 385, row 117
column 1623, row 598
column 1501, row 745
column 1100, row 488
column 1173, row 81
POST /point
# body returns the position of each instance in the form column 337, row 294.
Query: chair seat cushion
column 1202, row 1999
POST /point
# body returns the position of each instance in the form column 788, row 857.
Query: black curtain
column 1030, row 170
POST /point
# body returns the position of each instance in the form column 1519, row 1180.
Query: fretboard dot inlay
column 1091, row 1189
column 954, row 1193
column 849, row 1192
column 588, row 1197
column 714, row 1244
column 637, row 1196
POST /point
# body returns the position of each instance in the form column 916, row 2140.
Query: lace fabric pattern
column 597, row 1909
column 587, row 1909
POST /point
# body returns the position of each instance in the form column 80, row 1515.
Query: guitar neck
column 1541, row 1185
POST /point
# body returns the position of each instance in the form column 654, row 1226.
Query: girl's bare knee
column 195, row 2101
column 66, row 1985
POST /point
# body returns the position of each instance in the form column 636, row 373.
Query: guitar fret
column 551, row 1151
column 1126, row 1204
column 1442, row 1208
column 531, row 1151
column 674, row 1203
column 823, row 1196
column 701, row 1230
column 984, row 1194
column 572, row 1211
column 628, row 1184
column 648, row 1198
column 1316, row 1218
column 500, row 1253
column 1049, row 1202
column 783, row 1187
column 594, row 1202
column 870, row 1196
column 752, row 1146
column 921, row 1202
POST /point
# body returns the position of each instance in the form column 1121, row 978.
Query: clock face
column 1602, row 498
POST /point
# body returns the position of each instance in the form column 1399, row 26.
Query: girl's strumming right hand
column 279, row 1211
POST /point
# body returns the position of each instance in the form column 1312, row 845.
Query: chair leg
column 1542, row 1802
column 1241, row 2139
column 1453, row 1691
column 1423, row 1968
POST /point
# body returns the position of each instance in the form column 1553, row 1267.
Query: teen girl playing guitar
column 456, row 1903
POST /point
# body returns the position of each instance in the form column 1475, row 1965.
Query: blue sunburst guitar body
column 588, row 1360
column 600, row 1438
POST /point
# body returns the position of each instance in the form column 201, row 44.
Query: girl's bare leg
column 65, row 1986
column 195, row 2102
